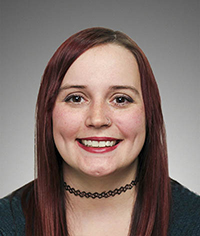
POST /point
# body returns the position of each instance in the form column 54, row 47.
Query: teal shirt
column 184, row 217
column 12, row 221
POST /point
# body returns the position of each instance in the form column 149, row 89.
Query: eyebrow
column 118, row 87
column 115, row 87
column 72, row 86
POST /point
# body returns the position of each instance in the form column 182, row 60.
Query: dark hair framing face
column 152, row 167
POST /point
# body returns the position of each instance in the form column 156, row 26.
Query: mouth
column 98, row 144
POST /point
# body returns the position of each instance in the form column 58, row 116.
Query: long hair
column 44, row 205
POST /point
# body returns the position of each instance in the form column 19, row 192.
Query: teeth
column 91, row 143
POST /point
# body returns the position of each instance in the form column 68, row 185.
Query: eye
column 122, row 100
column 74, row 98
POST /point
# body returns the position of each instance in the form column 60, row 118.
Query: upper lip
column 99, row 138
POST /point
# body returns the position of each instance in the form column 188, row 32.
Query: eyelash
column 127, row 99
column 70, row 97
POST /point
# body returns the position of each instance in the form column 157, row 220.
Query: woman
column 100, row 148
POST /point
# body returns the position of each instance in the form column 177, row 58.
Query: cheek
column 132, row 122
column 65, row 125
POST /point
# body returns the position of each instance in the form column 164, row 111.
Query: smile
column 90, row 143
column 98, row 144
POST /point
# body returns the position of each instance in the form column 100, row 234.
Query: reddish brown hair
column 45, row 208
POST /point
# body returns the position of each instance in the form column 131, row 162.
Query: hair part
column 47, row 201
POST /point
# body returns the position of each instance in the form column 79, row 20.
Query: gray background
column 168, row 33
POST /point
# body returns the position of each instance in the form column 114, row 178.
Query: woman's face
column 99, row 116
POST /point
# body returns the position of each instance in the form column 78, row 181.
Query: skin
column 98, row 107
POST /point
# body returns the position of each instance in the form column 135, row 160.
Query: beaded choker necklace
column 110, row 193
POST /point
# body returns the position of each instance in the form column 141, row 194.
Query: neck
column 86, row 216
column 94, row 205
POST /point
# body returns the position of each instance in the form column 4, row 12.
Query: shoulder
column 12, row 221
column 185, row 211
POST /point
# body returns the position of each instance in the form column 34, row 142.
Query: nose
column 98, row 117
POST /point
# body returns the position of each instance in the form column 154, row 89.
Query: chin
column 98, row 172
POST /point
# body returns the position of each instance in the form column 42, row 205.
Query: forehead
column 104, row 62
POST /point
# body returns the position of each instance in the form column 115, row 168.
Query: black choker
column 104, row 194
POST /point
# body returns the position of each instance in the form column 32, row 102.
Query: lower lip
column 97, row 150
